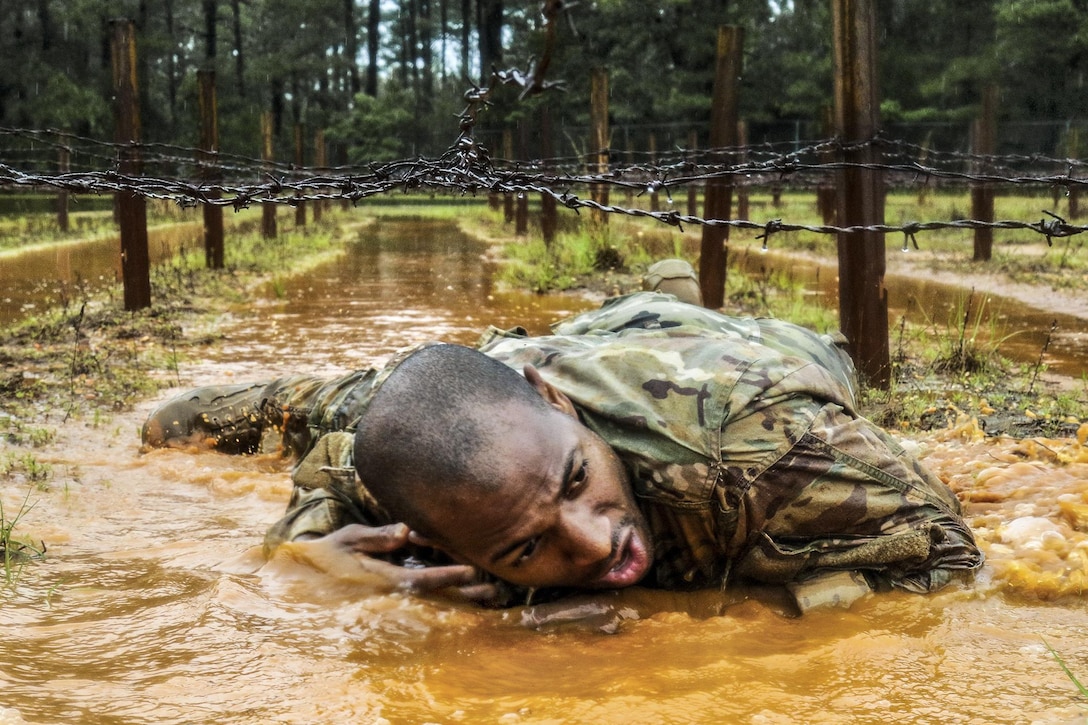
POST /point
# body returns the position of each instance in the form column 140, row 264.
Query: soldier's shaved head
column 429, row 426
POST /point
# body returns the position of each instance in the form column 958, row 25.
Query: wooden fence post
column 319, row 163
column 825, row 189
column 300, row 162
column 548, row 220
column 521, row 205
column 742, row 190
column 863, row 299
column 64, row 165
column 268, row 210
column 719, row 191
column 629, row 159
column 655, row 197
column 693, row 189
column 131, row 207
column 1073, row 191
column 982, row 193
column 342, row 161
column 209, row 144
column 508, row 156
column 599, row 137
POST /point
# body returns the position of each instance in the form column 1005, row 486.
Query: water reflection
column 400, row 283
column 62, row 272
column 154, row 605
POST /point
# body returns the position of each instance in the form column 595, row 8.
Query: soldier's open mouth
column 630, row 563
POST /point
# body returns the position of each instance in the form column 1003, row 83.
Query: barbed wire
column 29, row 158
column 294, row 185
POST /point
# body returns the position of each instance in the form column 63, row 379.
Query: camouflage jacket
column 742, row 444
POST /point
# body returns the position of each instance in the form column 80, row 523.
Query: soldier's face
column 561, row 512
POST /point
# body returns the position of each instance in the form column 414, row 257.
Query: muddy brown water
column 154, row 604
column 31, row 279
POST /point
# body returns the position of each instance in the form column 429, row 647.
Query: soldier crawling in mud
column 650, row 442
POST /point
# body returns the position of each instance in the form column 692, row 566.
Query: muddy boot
column 675, row 277
column 229, row 418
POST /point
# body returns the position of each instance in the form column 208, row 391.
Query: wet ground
column 154, row 604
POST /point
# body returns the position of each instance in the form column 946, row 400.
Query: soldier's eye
column 526, row 552
column 578, row 479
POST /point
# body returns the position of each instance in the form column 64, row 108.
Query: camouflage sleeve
column 326, row 495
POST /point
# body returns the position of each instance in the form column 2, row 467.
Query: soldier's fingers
column 373, row 539
column 478, row 592
column 439, row 577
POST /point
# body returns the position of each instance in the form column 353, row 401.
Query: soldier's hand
column 349, row 553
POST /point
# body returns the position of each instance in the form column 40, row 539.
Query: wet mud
column 154, row 604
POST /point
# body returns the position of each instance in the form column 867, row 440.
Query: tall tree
column 489, row 32
column 211, row 12
column 373, row 43
column 425, row 54
column 351, row 47
column 239, row 51
column 466, row 38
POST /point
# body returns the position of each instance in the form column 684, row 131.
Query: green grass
column 16, row 551
column 1068, row 672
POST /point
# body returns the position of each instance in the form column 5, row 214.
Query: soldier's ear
column 556, row 398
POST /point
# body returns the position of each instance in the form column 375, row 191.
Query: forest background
column 385, row 78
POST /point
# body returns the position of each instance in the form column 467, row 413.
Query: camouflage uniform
column 741, row 440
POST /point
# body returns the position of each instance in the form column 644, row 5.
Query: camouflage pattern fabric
column 655, row 311
column 741, row 440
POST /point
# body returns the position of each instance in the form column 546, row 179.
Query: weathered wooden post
column 209, row 172
column 923, row 157
column 131, row 207
column 629, row 159
column 64, row 165
column 598, row 137
column 300, row 162
column 342, row 161
column 982, row 193
column 693, row 189
column 1073, row 151
column 655, row 197
column 1073, row 191
column 863, row 299
column 719, row 191
column 825, row 190
column 319, row 162
column 548, row 220
column 268, row 210
column 508, row 156
column 521, row 204
column 742, row 190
